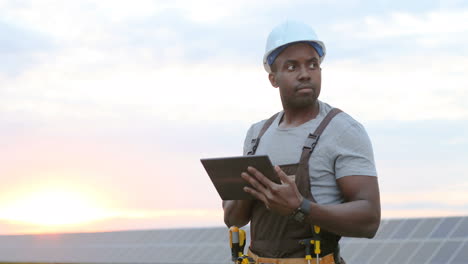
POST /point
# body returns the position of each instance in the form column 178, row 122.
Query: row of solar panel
column 195, row 235
column 149, row 254
column 428, row 252
column 450, row 227
column 418, row 228
column 422, row 240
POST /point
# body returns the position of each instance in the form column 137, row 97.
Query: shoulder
column 350, row 146
column 253, row 133
column 255, row 128
column 345, row 130
column 342, row 122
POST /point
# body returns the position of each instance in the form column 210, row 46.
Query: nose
column 304, row 74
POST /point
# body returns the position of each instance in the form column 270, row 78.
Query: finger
column 282, row 175
column 255, row 193
column 253, row 181
column 260, row 177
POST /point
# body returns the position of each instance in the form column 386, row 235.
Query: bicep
column 360, row 187
column 362, row 200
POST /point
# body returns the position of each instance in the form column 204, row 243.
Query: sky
column 106, row 107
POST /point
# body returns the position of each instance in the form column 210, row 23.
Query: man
column 325, row 159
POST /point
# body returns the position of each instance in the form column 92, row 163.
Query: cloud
column 445, row 200
column 396, row 24
column 399, row 24
column 418, row 156
column 112, row 61
column 453, row 197
column 21, row 48
column 68, row 88
column 401, row 88
column 435, row 33
column 81, row 85
column 432, row 138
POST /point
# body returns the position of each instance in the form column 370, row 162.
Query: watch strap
column 305, row 206
column 302, row 212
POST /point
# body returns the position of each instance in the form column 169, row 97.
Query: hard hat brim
column 265, row 57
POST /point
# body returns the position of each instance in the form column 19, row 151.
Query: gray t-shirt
column 344, row 149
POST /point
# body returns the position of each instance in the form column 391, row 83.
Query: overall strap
column 254, row 143
column 328, row 240
column 313, row 138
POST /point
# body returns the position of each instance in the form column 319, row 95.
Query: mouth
column 307, row 88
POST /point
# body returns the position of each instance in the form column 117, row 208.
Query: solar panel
column 415, row 240
column 445, row 228
column 423, row 254
column 386, row 252
column 462, row 256
column 351, row 249
column 407, row 227
column 426, row 227
column 445, row 252
column 366, row 253
column 388, row 229
column 462, row 230
column 404, row 252
column 381, row 227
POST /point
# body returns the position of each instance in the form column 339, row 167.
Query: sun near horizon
column 53, row 207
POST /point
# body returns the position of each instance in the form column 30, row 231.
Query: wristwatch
column 302, row 212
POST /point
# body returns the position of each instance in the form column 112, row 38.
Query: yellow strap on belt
column 317, row 242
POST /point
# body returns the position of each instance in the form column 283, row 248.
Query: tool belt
column 328, row 259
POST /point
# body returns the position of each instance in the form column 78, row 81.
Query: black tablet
column 225, row 173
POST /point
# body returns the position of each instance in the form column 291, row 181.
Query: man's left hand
column 283, row 198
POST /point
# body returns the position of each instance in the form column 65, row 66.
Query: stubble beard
column 299, row 101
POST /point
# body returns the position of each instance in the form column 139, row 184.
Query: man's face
column 297, row 73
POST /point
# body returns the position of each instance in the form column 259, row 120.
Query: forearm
column 237, row 212
column 358, row 218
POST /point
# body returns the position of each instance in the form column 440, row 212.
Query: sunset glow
column 53, row 208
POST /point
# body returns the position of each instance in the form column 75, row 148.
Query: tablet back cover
column 225, row 173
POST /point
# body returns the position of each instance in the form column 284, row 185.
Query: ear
column 272, row 78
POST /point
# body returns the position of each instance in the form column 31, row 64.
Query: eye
column 313, row 66
column 291, row 67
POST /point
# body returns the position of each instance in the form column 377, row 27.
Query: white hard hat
column 287, row 33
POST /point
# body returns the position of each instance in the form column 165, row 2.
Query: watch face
column 299, row 216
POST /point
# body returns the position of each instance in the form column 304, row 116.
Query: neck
column 294, row 117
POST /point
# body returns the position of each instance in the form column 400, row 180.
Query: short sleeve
column 248, row 139
column 354, row 153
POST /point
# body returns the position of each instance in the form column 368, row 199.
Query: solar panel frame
column 461, row 255
column 388, row 229
column 461, row 231
column 397, row 241
column 387, row 250
column 425, row 229
column 404, row 252
column 446, row 227
column 425, row 251
column 367, row 252
column 381, row 227
column 445, row 252
column 403, row 232
column 352, row 249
